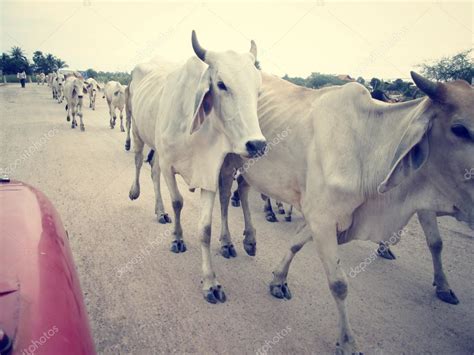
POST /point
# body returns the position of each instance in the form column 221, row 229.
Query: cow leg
column 433, row 239
column 250, row 242
column 267, row 208
column 128, row 117
column 79, row 113
column 279, row 286
column 177, row 245
column 326, row 244
column 289, row 212
column 279, row 204
column 235, row 199
column 68, row 110
column 139, row 144
column 225, row 185
column 121, row 120
column 212, row 290
column 155, row 176
column 73, row 112
column 112, row 115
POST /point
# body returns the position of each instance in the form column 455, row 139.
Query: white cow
column 114, row 92
column 193, row 115
column 40, row 78
column 49, row 79
column 329, row 149
column 74, row 91
column 58, row 87
column 92, row 88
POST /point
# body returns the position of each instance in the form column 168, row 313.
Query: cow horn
column 253, row 49
column 200, row 52
column 429, row 87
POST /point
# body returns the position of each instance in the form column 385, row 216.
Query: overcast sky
column 383, row 39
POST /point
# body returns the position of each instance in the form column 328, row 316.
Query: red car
column 41, row 305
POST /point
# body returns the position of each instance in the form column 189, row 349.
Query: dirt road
column 155, row 304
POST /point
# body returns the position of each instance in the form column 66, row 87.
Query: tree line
column 459, row 66
column 16, row 61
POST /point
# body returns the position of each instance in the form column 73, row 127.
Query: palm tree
column 61, row 63
column 17, row 53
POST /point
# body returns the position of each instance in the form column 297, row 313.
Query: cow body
column 114, row 92
column 346, row 188
column 74, row 91
column 92, row 89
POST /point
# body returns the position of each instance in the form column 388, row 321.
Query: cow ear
column 410, row 155
column 203, row 102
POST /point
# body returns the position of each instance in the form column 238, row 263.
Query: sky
column 384, row 39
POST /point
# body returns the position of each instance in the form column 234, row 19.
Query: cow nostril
column 256, row 147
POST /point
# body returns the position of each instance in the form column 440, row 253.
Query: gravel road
column 155, row 304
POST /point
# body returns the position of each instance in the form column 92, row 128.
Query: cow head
column 229, row 88
column 441, row 139
column 79, row 88
column 60, row 79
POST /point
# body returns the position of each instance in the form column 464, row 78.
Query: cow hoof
column 447, row 296
column 288, row 218
column 270, row 217
column 127, row 145
column 281, row 211
column 385, row 252
column 122, row 129
column 250, row 248
column 164, row 218
column 215, row 294
column 228, row 251
column 281, row 291
column 82, row 128
column 348, row 349
column 68, row 119
column 235, row 202
column 178, row 246
column 72, row 126
column 134, row 192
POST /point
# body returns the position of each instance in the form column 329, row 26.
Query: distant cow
column 58, row 87
column 74, row 91
column 40, row 78
column 114, row 92
column 92, row 89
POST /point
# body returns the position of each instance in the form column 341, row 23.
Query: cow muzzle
column 256, row 148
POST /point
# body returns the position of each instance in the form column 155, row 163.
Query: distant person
column 22, row 77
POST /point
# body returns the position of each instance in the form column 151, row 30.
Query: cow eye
column 221, row 86
column 460, row 131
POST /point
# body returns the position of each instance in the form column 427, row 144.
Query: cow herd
column 72, row 87
column 354, row 167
